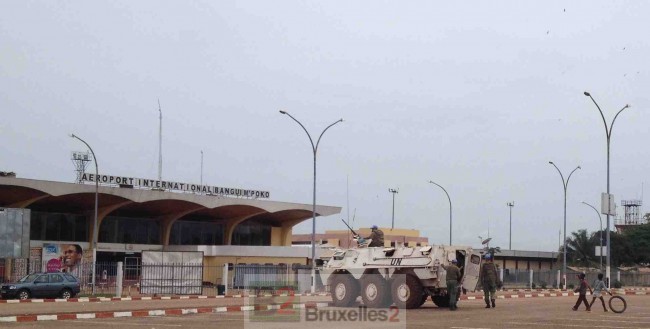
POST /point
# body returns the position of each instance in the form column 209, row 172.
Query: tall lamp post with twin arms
column 314, row 148
column 95, row 228
column 608, row 133
column 565, row 184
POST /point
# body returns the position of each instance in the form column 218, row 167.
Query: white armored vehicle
column 405, row 276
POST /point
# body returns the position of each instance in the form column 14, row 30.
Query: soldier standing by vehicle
column 453, row 278
column 377, row 237
column 489, row 279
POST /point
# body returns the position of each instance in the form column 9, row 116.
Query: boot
column 493, row 304
column 487, row 304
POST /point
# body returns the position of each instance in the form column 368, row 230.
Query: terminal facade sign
column 167, row 185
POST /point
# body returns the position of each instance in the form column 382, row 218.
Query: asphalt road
column 554, row 312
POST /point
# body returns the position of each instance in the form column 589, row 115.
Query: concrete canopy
column 168, row 207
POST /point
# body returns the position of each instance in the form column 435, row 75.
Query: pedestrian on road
column 489, row 278
column 582, row 290
column 453, row 278
column 599, row 286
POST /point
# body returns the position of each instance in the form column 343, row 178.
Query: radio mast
column 160, row 143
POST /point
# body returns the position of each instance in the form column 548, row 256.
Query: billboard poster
column 62, row 258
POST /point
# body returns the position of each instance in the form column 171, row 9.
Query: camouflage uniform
column 489, row 280
column 453, row 278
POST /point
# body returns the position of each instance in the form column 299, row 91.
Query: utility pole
column 159, row 142
column 510, row 204
column 394, row 191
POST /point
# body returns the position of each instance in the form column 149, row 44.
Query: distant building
column 343, row 238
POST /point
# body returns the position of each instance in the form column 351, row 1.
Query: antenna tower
column 80, row 161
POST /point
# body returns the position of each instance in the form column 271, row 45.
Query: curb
column 125, row 299
column 161, row 312
column 552, row 294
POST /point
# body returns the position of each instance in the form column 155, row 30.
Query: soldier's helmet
column 487, row 256
column 374, row 227
column 453, row 261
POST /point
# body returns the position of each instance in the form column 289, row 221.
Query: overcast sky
column 477, row 96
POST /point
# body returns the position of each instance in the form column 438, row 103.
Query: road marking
column 601, row 320
column 132, row 323
column 555, row 325
column 467, row 328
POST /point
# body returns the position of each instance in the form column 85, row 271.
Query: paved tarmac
column 81, row 307
column 509, row 313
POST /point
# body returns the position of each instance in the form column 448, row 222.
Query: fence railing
column 172, row 279
column 166, row 279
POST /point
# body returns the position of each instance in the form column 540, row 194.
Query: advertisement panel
column 62, row 258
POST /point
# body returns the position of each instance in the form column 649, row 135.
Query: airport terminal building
column 135, row 215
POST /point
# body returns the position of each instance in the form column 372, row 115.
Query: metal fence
column 172, row 279
column 548, row 278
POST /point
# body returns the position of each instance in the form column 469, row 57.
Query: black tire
column 617, row 304
column 408, row 293
column 24, row 294
column 66, row 294
column 441, row 300
column 375, row 291
column 424, row 300
column 344, row 290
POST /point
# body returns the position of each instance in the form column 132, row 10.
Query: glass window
column 130, row 230
column 252, row 233
column 58, row 227
column 42, row 279
column 56, row 278
column 70, row 278
column 188, row 232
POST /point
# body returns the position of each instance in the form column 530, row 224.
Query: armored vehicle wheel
column 441, row 300
column 407, row 293
column 375, row 291
column 345, row 290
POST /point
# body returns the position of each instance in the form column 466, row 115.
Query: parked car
column 44, row 285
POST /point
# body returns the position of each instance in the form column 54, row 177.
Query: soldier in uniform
column 377, row 237
column 453, row 278
column 490, row 280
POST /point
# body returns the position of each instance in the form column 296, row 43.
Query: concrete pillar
column 530, row 280
column 224, row 279
column 119, row 279
column 559, row 284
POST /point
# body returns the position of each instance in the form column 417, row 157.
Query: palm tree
column 580, row 248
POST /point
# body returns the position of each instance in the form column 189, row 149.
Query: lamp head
column 587, row 94
column 72, row 135
column 579, row 167
column 551, row 162
column 283, row 112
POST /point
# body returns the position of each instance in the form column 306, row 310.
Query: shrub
column 571, row 286
column 534, row 286
column 617, row 284
column 543, row 284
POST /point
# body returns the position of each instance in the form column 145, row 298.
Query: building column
column 287, row 231
column 232, row 223
column 26, row 203
column 101, row 214
column 167, row 223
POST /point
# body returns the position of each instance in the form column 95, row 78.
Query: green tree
column 639, row 243
column 580, row 248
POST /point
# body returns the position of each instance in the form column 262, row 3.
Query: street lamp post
column 432, row 182
column 313, row 213
column 394, row 191
column 95, row 228
column 565, row 184
column 608, row 133
column 510, row 204
column 601, row 233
